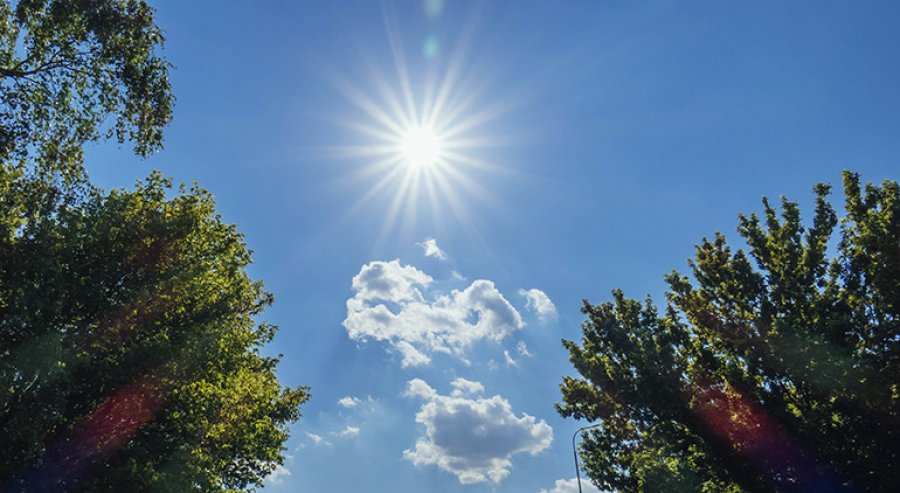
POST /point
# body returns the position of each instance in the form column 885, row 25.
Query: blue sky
column 594, row 143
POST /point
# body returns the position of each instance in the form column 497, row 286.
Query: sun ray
column 478, row 119
column 391, row 98
column 464, row 181
column 430, row 189
column 418, row 132
column 454, row 69
column 368, row 106
column 379, row 134
column 464, row 160
column 400, row 198
column 394, row 39
column 459, row 211
column 375, row 189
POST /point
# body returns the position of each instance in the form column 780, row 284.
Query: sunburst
column 417, row 145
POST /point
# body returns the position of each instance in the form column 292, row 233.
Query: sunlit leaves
column 129, row 349
column 74, row 71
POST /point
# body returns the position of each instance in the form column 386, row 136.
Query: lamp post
column 575, row 451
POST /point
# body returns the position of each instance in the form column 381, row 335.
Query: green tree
column 130, row 350
column 129, row 334
column 773, row 371
column 73, row 71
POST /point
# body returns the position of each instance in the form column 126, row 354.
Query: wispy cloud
column 431, row 249
column 510, row 361
column 317, row 439
column 278, row 475
column 522, row 349
column 349, row 432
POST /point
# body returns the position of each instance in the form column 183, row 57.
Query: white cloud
column 349, row 432
column 522, row 349
column 390, row 281
column 571, row 486
column 432, row 249
column 348, row 401
column 538, row 302
column 411, row 355
column 461, row 386
column 509, row 359
column 420, row 388
column 278, row 475
column 390, row 305
column 473, row 438
column 317, row 439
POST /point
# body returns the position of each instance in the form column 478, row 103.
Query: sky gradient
column 596, row 142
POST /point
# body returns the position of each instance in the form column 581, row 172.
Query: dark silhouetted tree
column 772, row 370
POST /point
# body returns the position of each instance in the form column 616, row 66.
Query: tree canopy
column 130, row 350
column 74, row 71
column 130, row 333
column 771, row 370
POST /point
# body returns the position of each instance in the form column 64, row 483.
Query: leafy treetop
column 74, row 71
column 130, row 349
column 776, row 370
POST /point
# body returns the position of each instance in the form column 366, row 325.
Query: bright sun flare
column 418, row 139
column 420, row 147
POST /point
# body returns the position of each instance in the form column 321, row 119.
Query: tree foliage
column 772, row 370
column 130, row 350
column 73, row 71
column 130, row 341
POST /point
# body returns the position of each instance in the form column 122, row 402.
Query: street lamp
column 575, row 451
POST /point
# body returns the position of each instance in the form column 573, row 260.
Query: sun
column 420, row 147
column 422, row 137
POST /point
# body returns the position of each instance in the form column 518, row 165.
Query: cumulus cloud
column 461, row 386
column 571, row 486
column 390, row 281
column 390, row 304
column 471, row 436
column 411, row 355
column 420, row 388
column 431, row 249
column 538, row 302
column 348, row 401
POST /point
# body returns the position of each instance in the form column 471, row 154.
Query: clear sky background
column 596, row 142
